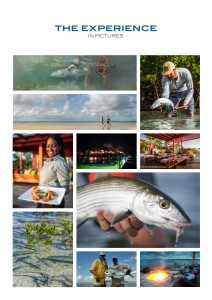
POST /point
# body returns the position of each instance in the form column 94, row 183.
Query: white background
column 27, row 27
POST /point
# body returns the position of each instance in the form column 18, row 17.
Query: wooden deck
column 183, row 162
column 173, row 163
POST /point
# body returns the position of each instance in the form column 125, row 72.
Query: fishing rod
column 179, row 107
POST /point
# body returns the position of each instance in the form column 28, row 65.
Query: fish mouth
column 184, row 225
column 53, row 74
column 187, row 223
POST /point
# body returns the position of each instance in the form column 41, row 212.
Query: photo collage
column 87, row 209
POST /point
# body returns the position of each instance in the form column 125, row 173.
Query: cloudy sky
column 85, row 259
column 48, row 107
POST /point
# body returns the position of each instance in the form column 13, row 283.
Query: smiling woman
column 50, row 166
column 55, row 171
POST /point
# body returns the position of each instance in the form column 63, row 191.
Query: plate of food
column 44, row 195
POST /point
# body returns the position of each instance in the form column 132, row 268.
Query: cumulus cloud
column 130, row 259
column 110, row 104
column 38, row 107
column 79, row 277
column 34, row 99
column 41, row 107
column 67, row 106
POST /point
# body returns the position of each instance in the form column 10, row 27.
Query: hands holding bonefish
column 134, row 229
column 125, row 199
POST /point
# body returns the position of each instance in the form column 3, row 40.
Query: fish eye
column 164, row 204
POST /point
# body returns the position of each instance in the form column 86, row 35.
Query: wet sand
column 73, row 126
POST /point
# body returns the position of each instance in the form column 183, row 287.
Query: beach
column 72, row 126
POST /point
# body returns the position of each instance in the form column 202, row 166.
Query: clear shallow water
column 34, row 73
column 161, row 263
column 37, row 265
column 155, row 121
column 108, row 284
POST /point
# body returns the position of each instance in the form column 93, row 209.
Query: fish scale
column 162, row 101
column 101, row 199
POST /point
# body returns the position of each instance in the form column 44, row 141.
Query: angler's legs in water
column 191, row 109
column 137, row 234
column 170, row 112
column 178, row 99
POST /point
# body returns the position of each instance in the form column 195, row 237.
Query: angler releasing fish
column 126, row 196
column 162, row 101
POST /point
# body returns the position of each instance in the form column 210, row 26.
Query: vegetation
column 151, row 65
column 150, row 75
column 144, row 147
column 26, row 160
column 44, row 233
column 67, row 228
column 39, row 233
column 67, row 232
column 158, row 144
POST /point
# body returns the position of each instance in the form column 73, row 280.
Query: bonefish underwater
column 126, row 196
column 69, row 72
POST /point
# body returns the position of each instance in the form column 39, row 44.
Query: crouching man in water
column 177, row 85
column 98, row 268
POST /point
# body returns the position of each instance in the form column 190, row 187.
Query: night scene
column 106, row 151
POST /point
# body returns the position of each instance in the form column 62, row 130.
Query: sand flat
column 72, row 126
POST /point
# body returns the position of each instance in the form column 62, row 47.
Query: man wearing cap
column 177, row 86
column 98, row 268
column 117, row 272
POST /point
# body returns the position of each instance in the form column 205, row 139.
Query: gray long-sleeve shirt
column 181, row 84
column 55, row 173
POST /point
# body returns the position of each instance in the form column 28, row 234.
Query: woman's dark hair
column 59, row 141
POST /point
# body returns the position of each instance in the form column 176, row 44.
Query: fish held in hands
column 126, row 196
column 162, row 102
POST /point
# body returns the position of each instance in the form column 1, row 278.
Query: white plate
column 27, row 196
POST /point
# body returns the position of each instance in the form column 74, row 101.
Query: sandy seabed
column 73, row 126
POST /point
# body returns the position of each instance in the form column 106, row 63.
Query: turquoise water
column 36, row 265
column 34, row 73
column 155, row 121
column 108, row 284
column 159, row 263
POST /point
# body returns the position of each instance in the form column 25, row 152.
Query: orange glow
column 157, row 276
